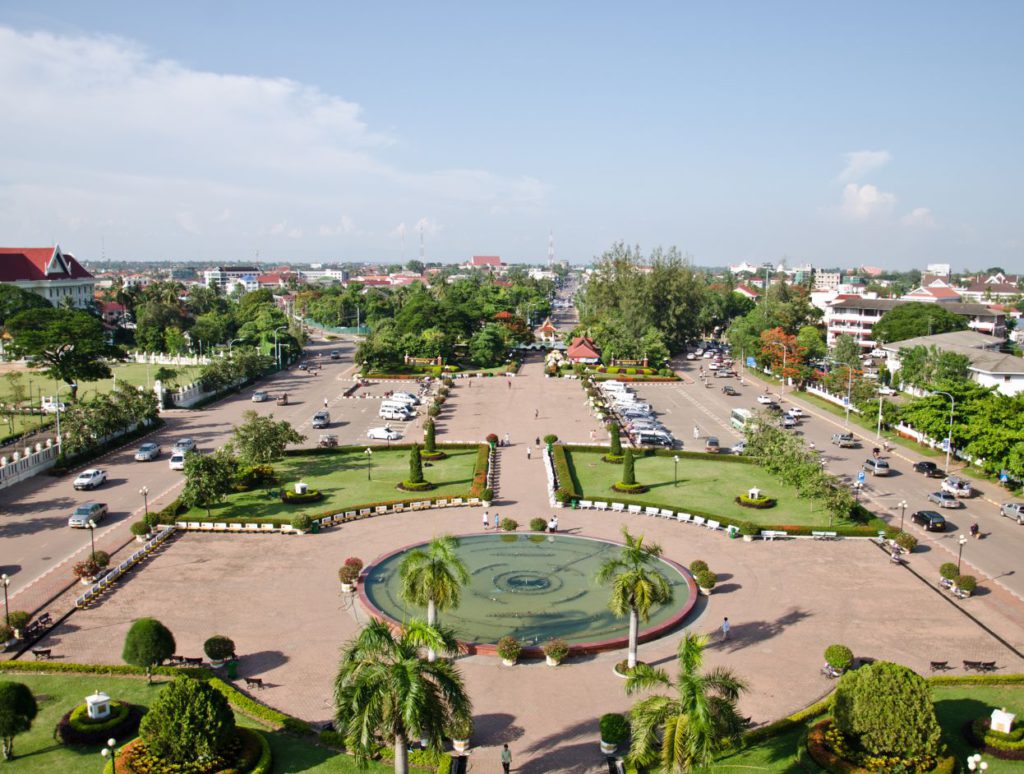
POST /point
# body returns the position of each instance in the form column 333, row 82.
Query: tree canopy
column 189, row 722
column 259, row 440
column 147, row 644
column 208, row 478
column 908, row 321
column 17, row 711
column 14, row 300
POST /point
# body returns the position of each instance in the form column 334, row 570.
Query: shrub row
column 1006, row 746
column 258, row 711
column 122, row 724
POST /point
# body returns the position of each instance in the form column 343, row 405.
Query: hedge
column 251, row 738
column 123, row 723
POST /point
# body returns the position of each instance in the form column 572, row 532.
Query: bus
column 740, row 418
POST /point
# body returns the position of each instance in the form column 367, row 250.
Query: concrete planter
column 486, row 503
column 607, row 748
column 705, row 592
column 87, row 581
column 348, row 588
column 460, row 745
column 509, row 661
column 748, row 538
column 552, row 661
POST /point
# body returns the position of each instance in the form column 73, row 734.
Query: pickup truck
column 844, row 440
column 960, row 487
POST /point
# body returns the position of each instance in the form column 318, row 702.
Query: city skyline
column 832, row 137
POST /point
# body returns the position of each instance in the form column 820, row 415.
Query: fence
column 28, row 462
column 157, row 358
column 839, row 400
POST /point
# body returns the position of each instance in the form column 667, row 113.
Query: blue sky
column 879, row 133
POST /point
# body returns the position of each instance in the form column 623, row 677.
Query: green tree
column 887, row 709
column 616, row 441
column 415, row 465
column 846, row 350
column 637, row 585
column 429, row 441
column 17, row 711
column 386, row 690
column 208, row 478
column 433, row 578
column 14, row 300
column 259, row 440
column 67, row 345
column 147, row 644
column 813, row 343
column 487, row 347
column 683, row 732
column 14, row 386
column 189, row 722
column 908, row 321
column 628, row 471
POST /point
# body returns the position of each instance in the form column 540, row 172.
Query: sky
column 886, row 134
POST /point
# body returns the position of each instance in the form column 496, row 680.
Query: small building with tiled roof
column 747, row 291
column 48, row 272
column 583, row 350
column 935, row 292
column 989, row 366
column 546, row 332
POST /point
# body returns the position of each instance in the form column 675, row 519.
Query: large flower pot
column 552, row 661
column 608, row 749
column 216, row 663
column 487, row 503
column 705, row 592
column 748, row 538
column 87, row 581
column 460, row 745
column 508, row 662
column 348, row 588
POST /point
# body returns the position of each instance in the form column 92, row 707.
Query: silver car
column 1013, row 511
column 147, row 452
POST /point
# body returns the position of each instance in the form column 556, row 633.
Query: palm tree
column 636, row 585
column 683, row 732
column 433, row 578
column 384, row 689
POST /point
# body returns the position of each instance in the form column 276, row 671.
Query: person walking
column 696, row 432
column 725, row 628
column 506, row 759
column 536, row 413
column 325, row 402
column 487, row 520
column 495, row 520
column 529, row 452
column 507, row 441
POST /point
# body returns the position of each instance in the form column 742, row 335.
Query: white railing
column 839, row 400
column 28, row 462
column 158, row 358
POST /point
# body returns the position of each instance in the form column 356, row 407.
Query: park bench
column 268, row 527
column 987, row 666
column 207, row 526
column 442, row 503
column 683, row 516
column 586, row 503
column 824, row 535
column 699, row 520
column 234, row 527
column 635, row 509
column 350, row 514
column 197, row 661
column 250, row 527
column 365, row 511
column 42, row 654
column 181, row 525
column 600, row 506
column 193, row 525
column 651, row 511
column 381, row 510
column 711, row 524
column 220, row 526
column 972, row 665
column 666, row 513
column 474, row 501
column 771, row 534
column 254, row 682
column 938, row 666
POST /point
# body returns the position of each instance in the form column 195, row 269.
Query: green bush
column 906, row 541
column 509, row 525
column 538, row 524
column 188, row 721
column 291, row 497
column 966, row 583
column 562, row 496
column 698, row 566
column 348, row 574
column 706, row 579
column 355, row 562
column 616, row 447
column 147, row 644
column 415, row 466
column 550, row 438
column 18, row 619
column 219, row 648
column 487, row 494
column 628, row 470
column 556, row 649
column 18, row 709
column 302, row 522
column 838, row 657
column 76, row 728
column 749, row 528
column 255, row 476
column 509, row 648
column 140, row 528
column 756, row 502
column 948, row 570
column 614, row 728
column 101, row 559
column 6, row 633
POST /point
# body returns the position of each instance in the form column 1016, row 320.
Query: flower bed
column 995, row 743
column 294, row 498
column 77, row 728
column 756, row 502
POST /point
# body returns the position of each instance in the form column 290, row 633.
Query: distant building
column 939, row 269
column 827, row 280
column 583, row 350
column 227, row 278
column 933, row 289
column 746, row 291
column 993, row 287
column 546, row 332
column 989, row 367
column 48, row 272
column 857, row 316
column 485, row 263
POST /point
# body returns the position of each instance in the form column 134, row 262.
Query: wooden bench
column 711, row 524
column 938, row 666
column 254, row 682
column 825, row 535
column 42, row 654
column 771, row 534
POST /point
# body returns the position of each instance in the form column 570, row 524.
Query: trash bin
column 233, row 669
column 734, row 531
column 575, row 504
column 315, row 528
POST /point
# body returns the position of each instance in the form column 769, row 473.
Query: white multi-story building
column 827, row 280
column 989, row 367
column 48, row 272
column 227, row 278
column 857, row 317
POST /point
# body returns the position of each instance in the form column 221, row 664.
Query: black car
column 930, row 469
column 773, row 408
column 730, row 390
column 930, row 520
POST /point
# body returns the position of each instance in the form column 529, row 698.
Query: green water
column 533, row 587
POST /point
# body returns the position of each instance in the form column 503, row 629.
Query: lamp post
column 675, row 470
column 902, row 505
column 231, row 345
column 975, row 763
column 145, row 497
column 277, row 349
column 849, row 394
column 110, row 751
column 92, row 541
column 962, row 541
column 369, row 463
column 6, row 580
column 878, row 429
column 949, row 437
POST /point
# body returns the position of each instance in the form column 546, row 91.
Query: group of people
column 552, row 522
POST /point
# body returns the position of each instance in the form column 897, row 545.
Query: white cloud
column 345, row 226
column 859, row 163
column 861, row 202
column 920, row 217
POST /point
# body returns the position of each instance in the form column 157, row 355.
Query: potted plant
column 460, row 731
column 550, row 439
column 614, row 731
column 555, row 651
column 349, row 576
column 509, row 525
column 839, row 657
column 301, row 523
column 965, row 584
column 698, row 565
column 948, row 573
column 492, row 440
column 141, row 531
column 509, row 649
column 355, row 561
column 219, row 649
column 18, row 620
column 86, row 571
column 487, row 496
column 749, row 530
column 706, row 581
column 7, row 637
column 538, row 524
column 906, row 541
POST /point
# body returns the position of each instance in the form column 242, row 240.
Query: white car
column 90, row 479
column 884, row 389
column 188, row 444
column 406, row 396
column 383, row 434
column 797, row 412
column 260, row 396
column 148, row 451
column 765, row 399
column 690, row 356
column 740, row 448
column 177, row 461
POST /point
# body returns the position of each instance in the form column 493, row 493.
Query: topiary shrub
column 188, row 722
column 538, row 525
column 966, row 583
column 562, row 496
column 492, row 439
column 18, row 619
column 947, row 570
column 415, row 465
column 749, row 528
column 886, row 710
column 302, row 522
column 140, row 529
column 755, row 502
column 147, row 644
column 550, row 438
column 706, row 579
column 906, row 541
column 509, row 648
column 698, row 566
column 614, row 728
column 616, row 447
column 101, row 558
column 556, row 649
column 355, row 562
column 838, row 657
column 509, row 525
column 18, row 709
column 434, row 410
column 292, row 497
column 219, row 648
column 77, row 728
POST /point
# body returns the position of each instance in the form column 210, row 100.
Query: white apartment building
column 827, row 280
column 857, row 316
column 989, row 367
column 227, row 278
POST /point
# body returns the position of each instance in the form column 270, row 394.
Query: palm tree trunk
column 634, row 626
column 431, row 621
column 401, row 756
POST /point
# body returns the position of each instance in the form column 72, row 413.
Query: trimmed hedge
column 75, row 728
column 294, row 498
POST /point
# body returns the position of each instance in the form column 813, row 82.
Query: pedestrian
column 509, row 383
column 725, row 628
column 591, row 436
column 529, row 452
column 495, row 520
column 325, row 402
column 536, row 441
column 696, row 432
column 506, row 759
column 536, row 413
column 507, row 442
column 553, row 524
column 487, row 520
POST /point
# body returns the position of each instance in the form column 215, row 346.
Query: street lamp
column 962, row 540
column 949, row 437
column 6, row 580
column 231, row 344
column 145, row 497
column 369, row 464
column 675, row 470
column 975, row 763
column 856, row 491
column 277, row 349
column 902, row 505
column 110, row 751
column 92, row 541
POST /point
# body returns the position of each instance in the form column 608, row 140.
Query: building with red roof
column 48, row 272
column 583, row 350
column 747, row 291
column 546, row 332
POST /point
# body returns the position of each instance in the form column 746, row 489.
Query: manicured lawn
column 343, row 480
column 36, row 752
column 709, row 485
column 130, row 373
column 26, row 422
column 776, row 754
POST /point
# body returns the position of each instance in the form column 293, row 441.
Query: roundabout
column 534, row 587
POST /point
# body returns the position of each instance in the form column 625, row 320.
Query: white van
column 398, row 413
column 397, row 404
column 406, row 396
column 614, row 387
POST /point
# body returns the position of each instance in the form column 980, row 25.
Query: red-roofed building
column 112, row 312
column 271, row 280
column 547, row 332
column 583, row 350
column 503, row 315
column 485, row 263
column 48, row 272
column 935, row 291
column 747, row 291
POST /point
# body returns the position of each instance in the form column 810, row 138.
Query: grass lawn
column 132, row 373
column 704, row 485
column 26, row 422
column 343, row 480
column 36, row 752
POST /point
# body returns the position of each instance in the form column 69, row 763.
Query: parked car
column 335, row 355
column 1013, row 511
column 944, row 499
column 185, row 445
column 764, row 400
column 90, row 479
column 959, row 487
column 711, row 445
column 406, row 396
column 654, row 439
column 773, row 408
column 798, row 412
column 786, row 422
column 844, row 440
column 260, row 396
column 876, row 467
column 690, row 356
column 321, row 419
column 177, row 461
column 86, row 512
column 724, row 373
column 930, row 520
column 730, row 390
column 395, row 413
column 740, row 448
column 928, row 468
column 884, row 389
column 383, row 434
column 147, row 452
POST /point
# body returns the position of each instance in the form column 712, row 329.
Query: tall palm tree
column 683, row 732
column 433, row 578
column 637, row 586
column 385, row 689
